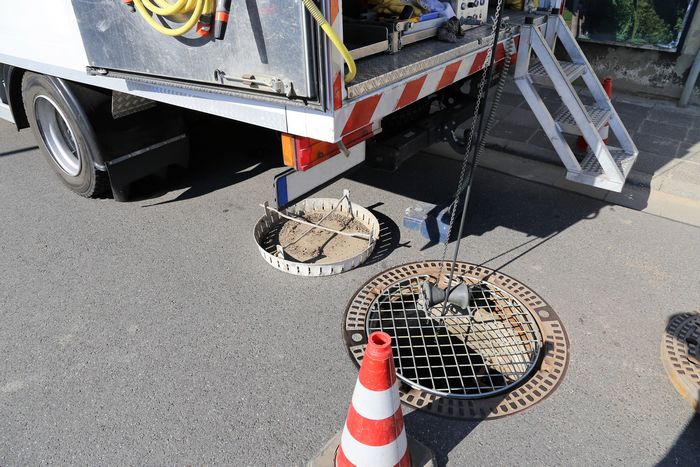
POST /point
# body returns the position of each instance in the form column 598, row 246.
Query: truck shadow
column 389, row 237
column 497, row 200
column 199, row 180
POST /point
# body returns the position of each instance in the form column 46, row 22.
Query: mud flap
column 126, row 169
column 141, row 144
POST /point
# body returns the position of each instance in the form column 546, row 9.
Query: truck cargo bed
column 381, row 70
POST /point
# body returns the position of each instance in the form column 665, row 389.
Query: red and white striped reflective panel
column 374, row 107
column 374, row 433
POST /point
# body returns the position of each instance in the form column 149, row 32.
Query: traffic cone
column 374, row 432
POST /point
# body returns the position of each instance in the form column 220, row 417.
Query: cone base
column 421, row 455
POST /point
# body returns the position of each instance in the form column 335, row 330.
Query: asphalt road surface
column 152, row 332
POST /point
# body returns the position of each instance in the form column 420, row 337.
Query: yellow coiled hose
column 195, row 8
column 333, row 37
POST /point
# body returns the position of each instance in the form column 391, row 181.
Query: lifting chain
column 466, row 176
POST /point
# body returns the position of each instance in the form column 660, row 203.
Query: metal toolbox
column 268, row 47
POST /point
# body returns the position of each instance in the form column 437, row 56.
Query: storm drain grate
column 503, row 354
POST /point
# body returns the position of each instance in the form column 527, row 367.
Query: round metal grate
column 502, row 355
column 455, row 354
column 680, row 354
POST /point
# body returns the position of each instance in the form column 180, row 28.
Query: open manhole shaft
column 455, row 354
column 504, row 353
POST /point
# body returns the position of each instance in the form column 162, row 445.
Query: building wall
column 648, row 71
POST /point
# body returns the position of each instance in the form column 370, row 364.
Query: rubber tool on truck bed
column 223, row 7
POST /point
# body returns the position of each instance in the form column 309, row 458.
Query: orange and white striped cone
column 374, row 433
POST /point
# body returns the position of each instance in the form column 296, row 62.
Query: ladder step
column 571, row 70
column 592, row 173
column 599, row 116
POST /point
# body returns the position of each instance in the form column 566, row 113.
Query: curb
column 640, row 197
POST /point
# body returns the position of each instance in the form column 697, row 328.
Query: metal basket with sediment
column 268, row 228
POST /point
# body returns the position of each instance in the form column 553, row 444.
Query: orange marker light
column 288, row 152
column 302, row 153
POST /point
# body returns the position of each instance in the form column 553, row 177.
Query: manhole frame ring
column 540, row 383
column 674, row 353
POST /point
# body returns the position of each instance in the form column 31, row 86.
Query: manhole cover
column 680, row 354
column 508, row 352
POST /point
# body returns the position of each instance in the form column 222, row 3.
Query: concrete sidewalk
column 665, row 180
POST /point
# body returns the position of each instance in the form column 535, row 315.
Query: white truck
column 91, row 77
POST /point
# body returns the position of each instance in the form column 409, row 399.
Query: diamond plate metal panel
column 599, row 117
column 126, row 104
column 572, row 71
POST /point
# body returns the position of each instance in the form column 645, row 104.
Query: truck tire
column 62, row 125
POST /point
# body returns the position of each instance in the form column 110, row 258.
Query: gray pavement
column 665, row 180
column 152, row 332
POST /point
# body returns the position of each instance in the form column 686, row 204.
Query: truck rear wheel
column 61, row 125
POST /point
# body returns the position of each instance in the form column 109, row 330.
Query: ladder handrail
column 548, row 124
column 594, row 85
column 571, row 100
column 603, row 166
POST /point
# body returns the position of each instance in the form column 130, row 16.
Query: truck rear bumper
column 292, row 185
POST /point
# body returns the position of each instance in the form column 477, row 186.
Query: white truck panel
column 55, row 47
column 268, row 115
column 311, row 123
column 44, row 32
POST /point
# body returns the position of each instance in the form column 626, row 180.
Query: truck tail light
column 302, row 153
column 288, row 150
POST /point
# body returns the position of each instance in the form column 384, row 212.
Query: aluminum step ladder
column 602, row 166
